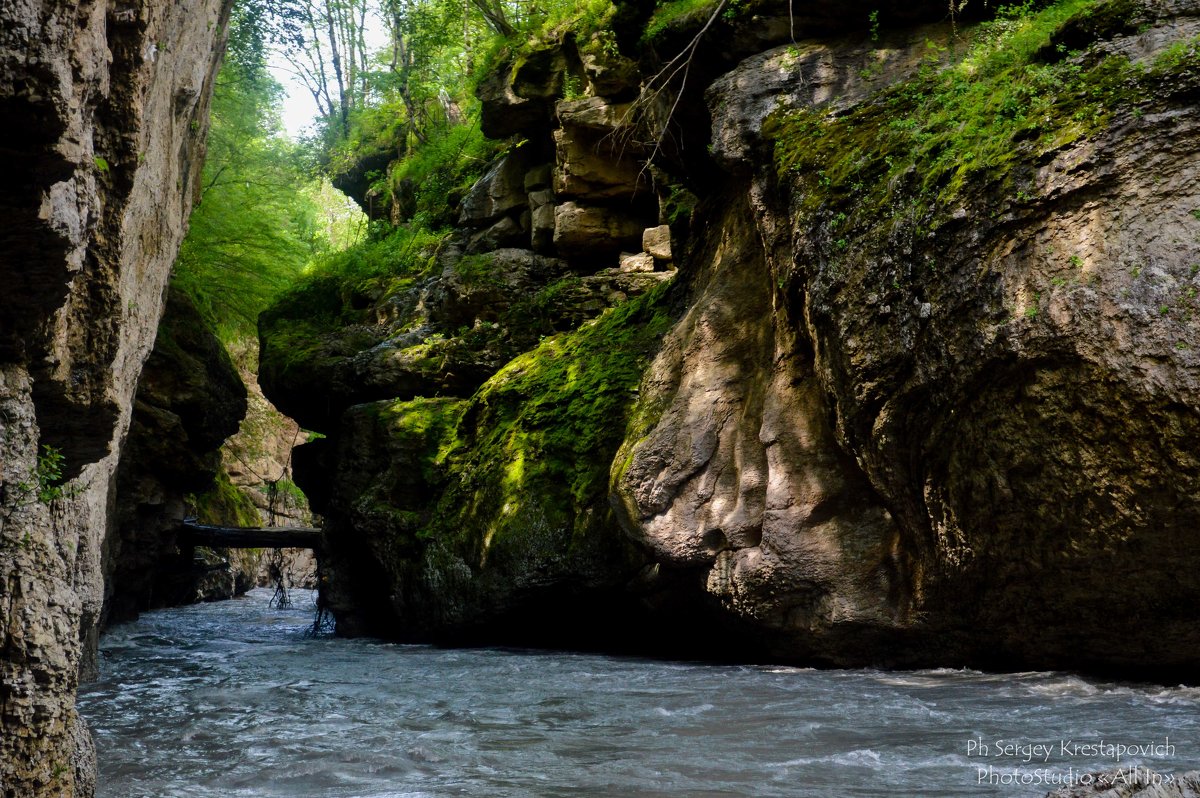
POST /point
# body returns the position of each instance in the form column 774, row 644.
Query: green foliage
column 1180, row 58
column 257, row 222
column 1001, row 103
column 101, row 164
column 48, row 476
column 587, row 20
column 288, row 491
column 405, row 251
column 427, row 428
column 336, row 291
column 443, row 168
column 537, row 310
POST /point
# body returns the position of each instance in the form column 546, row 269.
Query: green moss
column 409, row 444
column 522, row 466
column 681, row 15
column 917, row 144
column 224, row 504
column 425, row 428
column 475, row 271
column 536, row 442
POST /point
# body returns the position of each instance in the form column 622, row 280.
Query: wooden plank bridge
column 246, row 537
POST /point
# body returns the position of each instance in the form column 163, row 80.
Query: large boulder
column 608, row 72
column 500, row 191
column 944, row 413
column 518, row 97
column 597, row 151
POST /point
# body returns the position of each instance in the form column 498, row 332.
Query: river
column 234, row 699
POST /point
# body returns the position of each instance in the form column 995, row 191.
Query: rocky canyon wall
column 105, row 111
column 953, row 431
column 920, row 392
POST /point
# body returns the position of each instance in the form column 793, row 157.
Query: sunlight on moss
column 1016, row 92
column 537, row 439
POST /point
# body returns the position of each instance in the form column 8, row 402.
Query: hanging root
column 323, row 621
column 281, row 578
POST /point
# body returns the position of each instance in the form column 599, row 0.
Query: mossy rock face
column 969, row 249
column 224, row 504
column 339, row 340
column 450, row 514
column 934, row 389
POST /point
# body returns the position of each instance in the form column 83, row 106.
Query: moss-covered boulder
column 978, row 280
column 457, row 518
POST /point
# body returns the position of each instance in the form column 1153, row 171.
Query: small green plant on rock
column 48, row 477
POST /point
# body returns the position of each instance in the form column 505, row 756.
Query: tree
column 255, row 226
column 329, row 53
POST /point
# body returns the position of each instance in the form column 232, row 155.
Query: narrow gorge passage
column 664, row 398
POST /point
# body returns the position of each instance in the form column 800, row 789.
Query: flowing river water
column 235, row 699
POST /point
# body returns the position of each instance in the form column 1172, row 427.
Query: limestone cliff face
column 953, row 432
column 105, row 108
column 925, row 386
